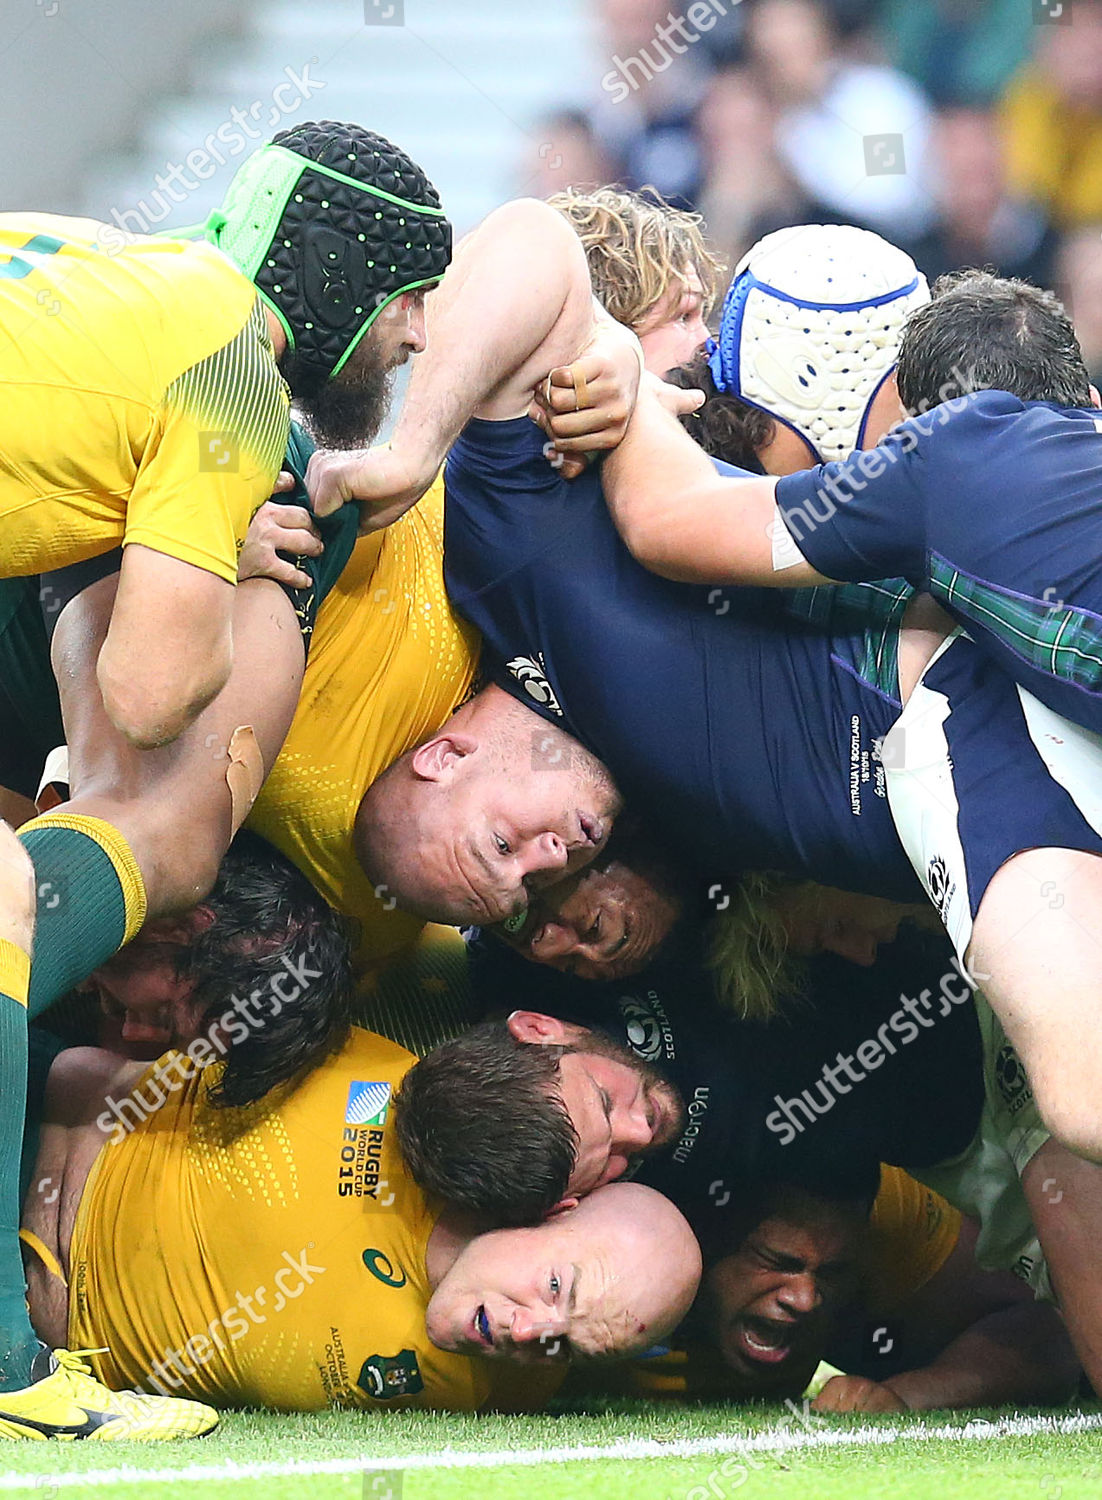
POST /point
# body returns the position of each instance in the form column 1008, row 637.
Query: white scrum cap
column 811, row 328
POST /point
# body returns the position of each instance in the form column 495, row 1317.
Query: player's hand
column 279, row 528
column 381, row 481
column 585, row 407
column 17, row 891
column 676, row 401
column 855, row 1393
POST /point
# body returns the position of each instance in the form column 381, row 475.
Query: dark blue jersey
column 748, row 739
column 994, row 504
column 850, row 1075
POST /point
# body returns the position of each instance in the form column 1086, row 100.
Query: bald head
column 456, row 829
column 606, row 1279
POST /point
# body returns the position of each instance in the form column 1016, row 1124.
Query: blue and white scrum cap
column 811, row 328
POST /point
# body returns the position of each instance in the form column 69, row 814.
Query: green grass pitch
column 706, row 1453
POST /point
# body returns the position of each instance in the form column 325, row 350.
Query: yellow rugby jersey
column 139, row 397
column 389, row 662
column 912, row 1233
column 269, row 1256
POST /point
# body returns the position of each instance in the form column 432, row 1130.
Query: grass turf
column 1044, row 1466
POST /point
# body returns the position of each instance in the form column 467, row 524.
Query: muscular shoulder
column 81, row 1079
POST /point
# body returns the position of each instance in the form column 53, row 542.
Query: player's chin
column 766, row 1374
column 442, row 1329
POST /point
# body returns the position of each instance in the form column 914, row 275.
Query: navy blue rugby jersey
column 748, row 738
column 848, row 1076
column 994, row 505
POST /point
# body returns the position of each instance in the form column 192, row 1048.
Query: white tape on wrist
column 785, row 552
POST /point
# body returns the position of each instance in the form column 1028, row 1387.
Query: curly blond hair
column 752, row 968
column 637, row 246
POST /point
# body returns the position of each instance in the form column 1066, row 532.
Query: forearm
column 681, row 519
column 514, row 303
column 1019, row 1355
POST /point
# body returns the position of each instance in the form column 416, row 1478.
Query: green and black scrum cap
column 332, row 222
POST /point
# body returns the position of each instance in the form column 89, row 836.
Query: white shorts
column 978, row 770
column 984, row 1181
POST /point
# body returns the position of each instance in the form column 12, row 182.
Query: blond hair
column 637, row 246
column 748, row 955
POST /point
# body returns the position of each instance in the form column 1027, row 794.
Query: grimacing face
column 771, row 1306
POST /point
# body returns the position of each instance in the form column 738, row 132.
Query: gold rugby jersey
column 139, row 397
column 268, row 1256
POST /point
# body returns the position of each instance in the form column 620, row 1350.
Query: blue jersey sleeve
column 864, row 518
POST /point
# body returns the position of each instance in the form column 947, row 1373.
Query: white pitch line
column 773, row 1441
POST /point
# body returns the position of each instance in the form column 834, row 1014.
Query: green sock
column 18, row 1343
column 91, row 900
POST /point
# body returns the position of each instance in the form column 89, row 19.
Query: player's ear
column 437, row 759
column 1096, row 399
column 531, row 1026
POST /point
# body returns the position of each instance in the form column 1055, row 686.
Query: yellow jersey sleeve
column 912, row 1233
column 214, row 452
column 139, row 398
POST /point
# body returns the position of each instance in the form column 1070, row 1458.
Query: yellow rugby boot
column 66, row 1402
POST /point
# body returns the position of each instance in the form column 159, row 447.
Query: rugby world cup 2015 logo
column 368, row 1103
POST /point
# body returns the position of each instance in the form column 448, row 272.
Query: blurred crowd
column 967, row 131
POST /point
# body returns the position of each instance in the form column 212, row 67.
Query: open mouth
column 764, row 1342
column 592, row 830
column 482, row 1328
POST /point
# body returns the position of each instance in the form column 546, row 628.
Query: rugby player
column 264, row 938
column 542, row 573
column 130, row 841
column 867, row 1064
column 157, row 366
column 916, row 1109
column 994, row 372
column 759, row 1106
column 893, row 1297
column 385, row 1301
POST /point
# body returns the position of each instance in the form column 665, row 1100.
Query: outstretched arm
column 683, row 520
column 515, row 304
column 1000, row 1347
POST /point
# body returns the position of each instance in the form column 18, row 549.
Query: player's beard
column 348, row 411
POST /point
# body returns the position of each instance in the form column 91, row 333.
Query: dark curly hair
column 276, row 942
column 724, row 426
